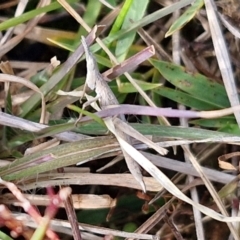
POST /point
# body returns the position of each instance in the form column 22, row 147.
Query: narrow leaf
column 186, row 17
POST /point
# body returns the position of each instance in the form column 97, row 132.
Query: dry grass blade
column 44, row 35
column 231, row 28
column 113, row 110
column 20, row 9
column 120, row 180
column 160, row 52
column 106, row 4
column 18, row 99
column 187, row 168
column 222, row 56
column 58, row 224
column 124, row 127
column 15, row 79
column 211, row 189
column 45, row 145
column 229, row 140
column 130, row 63
column 167, row 183
column 17, row 122
column 223, row 164
column 17, row 39
column 80, row 201
column 229, row 82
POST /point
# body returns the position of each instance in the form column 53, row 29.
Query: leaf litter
column 108, row 146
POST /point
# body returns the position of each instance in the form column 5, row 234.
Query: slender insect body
column 105, row 97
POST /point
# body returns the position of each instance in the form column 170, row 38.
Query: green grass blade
column 214, row 123
column 195, row 84
column 135, row 12
column 90, row 16
column 184, row 99
column 121, row 16
column 56, row 157
column 157, row 130
column 150, row 18
column 126, row 87
column 31, row 14
column 4, row 236
column 186, row 17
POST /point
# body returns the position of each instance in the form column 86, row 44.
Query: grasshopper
column 106, row 98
